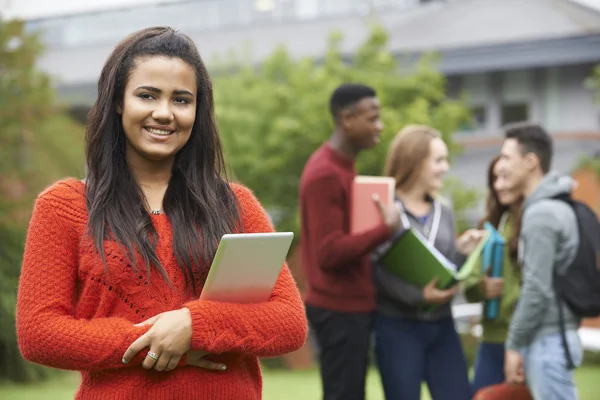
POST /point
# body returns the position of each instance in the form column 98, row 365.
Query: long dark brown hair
column 199, row 202
column 495, row 210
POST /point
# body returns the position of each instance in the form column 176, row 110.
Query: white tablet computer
column 246, row 267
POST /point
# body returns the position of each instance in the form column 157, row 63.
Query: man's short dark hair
column 347, row 95
column 532, row 138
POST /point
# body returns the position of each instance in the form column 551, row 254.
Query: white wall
column 576, row 108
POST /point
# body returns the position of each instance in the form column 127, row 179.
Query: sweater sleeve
column 540, row 237
column 327, row 205
column 47, row 331
column 267, row 329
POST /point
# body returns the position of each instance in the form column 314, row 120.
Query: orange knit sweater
column 71, row 315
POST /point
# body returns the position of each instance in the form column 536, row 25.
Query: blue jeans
column 546, row 367
column 410, row 352
column 489, row 367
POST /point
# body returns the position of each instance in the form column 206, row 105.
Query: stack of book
column 492, row 260
column 416, row 261
column 364, row 212
column 411, row 257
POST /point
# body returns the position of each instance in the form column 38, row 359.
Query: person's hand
column 168, row 339
column 491, row 287
column 574, row 185
column 468, row 241
column 433, row 295
column 390, row 214
column 197, row 358
column 513, row 368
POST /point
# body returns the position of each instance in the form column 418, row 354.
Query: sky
column 41, row 8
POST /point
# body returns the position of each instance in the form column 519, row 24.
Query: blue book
column 492, row 257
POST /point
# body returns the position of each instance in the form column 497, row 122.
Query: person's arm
column 540, row 239
column 457, row 257
column 47, row 331
column 326, row 207
column 472, row 285
column 267, row 329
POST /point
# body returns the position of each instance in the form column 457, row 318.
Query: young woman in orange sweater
column 113, row 266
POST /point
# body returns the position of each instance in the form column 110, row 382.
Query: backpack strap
column 559, row 300
column 564, row 197
column 563, row 334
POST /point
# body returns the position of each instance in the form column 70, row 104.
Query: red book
column 364, row 214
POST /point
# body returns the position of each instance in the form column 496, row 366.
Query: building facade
column 515, row 60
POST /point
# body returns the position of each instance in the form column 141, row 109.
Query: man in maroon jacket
column 340, row 297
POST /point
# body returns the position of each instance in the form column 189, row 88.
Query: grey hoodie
column 548, row 242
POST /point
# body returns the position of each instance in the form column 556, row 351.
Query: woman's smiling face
column 158, row 108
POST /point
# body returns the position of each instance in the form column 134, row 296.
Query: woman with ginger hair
column 414, row 342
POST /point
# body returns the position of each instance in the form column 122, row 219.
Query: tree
column 464, row 199
column 593, row 82
column 38, row 145
column 273, row 117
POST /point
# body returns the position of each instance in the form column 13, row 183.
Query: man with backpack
column 543, row 346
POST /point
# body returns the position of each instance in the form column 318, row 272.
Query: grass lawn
column 299, row 385
column 305, row 385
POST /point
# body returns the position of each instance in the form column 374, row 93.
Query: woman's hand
column 433, row 295
column 168, row 339
column 197, row 358
column 468, row 241
column 491, row 287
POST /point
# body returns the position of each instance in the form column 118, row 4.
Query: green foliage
column 272, row 118
column 464, row 198
column 593, row 82
column 591, row 163
column 38, row 145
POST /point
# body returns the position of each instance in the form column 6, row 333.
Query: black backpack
column 579, row 285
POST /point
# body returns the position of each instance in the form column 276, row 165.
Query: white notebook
column 246, row 267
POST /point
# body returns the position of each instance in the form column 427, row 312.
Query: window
column 307, row 9
column 515, row 112
column 288, row 8
column 478, row 121
column 263, row 10
column 339, row 7
column 264, row 5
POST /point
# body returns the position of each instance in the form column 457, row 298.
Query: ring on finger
column 153, row 356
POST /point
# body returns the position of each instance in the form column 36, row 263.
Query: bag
column 503, row 391
column 579, row 285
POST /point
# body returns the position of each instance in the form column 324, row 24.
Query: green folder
column 413, row 259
